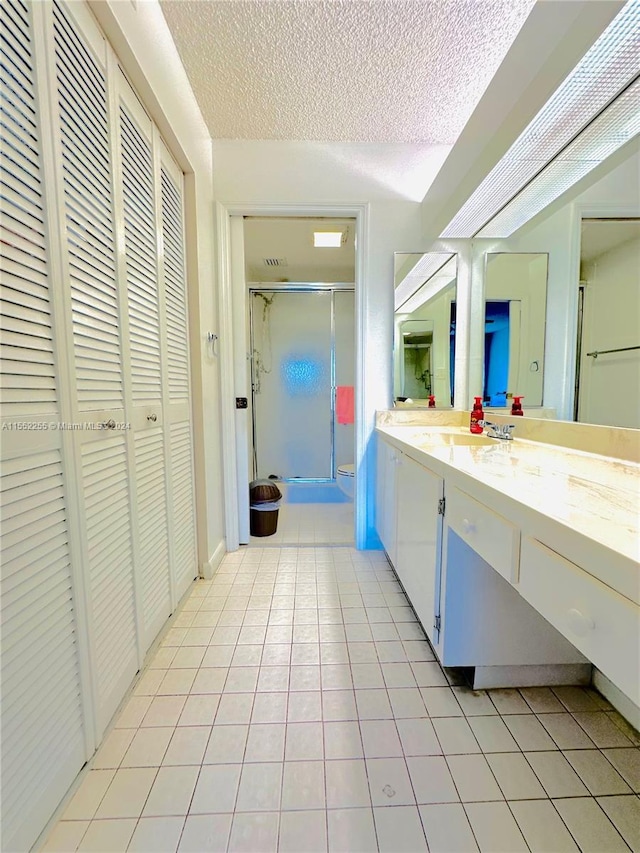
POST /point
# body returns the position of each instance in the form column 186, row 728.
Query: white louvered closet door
column 138, row 180
column 98, row 319
column 177, row 406
column 43, row 739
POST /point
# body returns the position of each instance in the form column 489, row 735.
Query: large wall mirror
column 514, row 327
column 424, row 330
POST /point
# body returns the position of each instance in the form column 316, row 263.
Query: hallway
column 295, row 705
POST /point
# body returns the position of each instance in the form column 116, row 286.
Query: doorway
column 301, row 446
column 302, row 362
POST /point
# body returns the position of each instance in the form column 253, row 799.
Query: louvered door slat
column 152, row 519
column 26, row 322
column 140, row 255
column 110, row 568
column 185, row 568
column 175, row 290
column 43, row 742
column 82, row 102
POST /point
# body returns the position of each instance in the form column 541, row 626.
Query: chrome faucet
column 501, row 431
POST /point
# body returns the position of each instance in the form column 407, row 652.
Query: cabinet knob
column 153, row 418
column 578, row 623
column 110, row 424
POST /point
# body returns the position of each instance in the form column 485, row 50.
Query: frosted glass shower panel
column 292, row 384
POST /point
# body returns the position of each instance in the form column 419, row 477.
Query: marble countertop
column 594, row 497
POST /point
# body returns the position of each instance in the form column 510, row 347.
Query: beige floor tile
column 418, row 737
column 164, row 711
column 473, row 778
column 373, row 704
column 627, row 763
column 226, row 744
column 265, row 742
column 406, row 702
column 557, row 776
column 304, row 742
column 156, row 835
column 254, row 832
column 399, row 830
column 303, row 832
column 65, row 836
column 495, row 828
column 87, row 798
column 351, row 831
column 596, row 772
column 113, row 749
column 205, row 833
column 171, row 792
column 542, row 700
column 529, row 732
column 590, row 826
column 566, row 732
column 379, row 739
column 187, row 746
column 515, row 776
column 508, row 701
column 441, row 702
column 601, row 730
column 624, row 812
column 148, row 747
column 447, row 828
column 432, row 782
column 260, row 787
column 455, row 736
column 339, row 705
column 543, row 829
column 492, row 734
column 342, row 739
column 347, row 785
column 127, row 793
column 216, row 789
column 303, row 785
column 199, row 710
column 106, row 836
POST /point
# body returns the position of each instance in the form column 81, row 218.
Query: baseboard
column 208, row 569
column 531, row 675
column 620, row 701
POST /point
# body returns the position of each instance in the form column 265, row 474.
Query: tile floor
column 296, row 706
column 311, row 524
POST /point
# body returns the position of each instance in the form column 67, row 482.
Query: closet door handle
column 153, row 418
column 110, row 424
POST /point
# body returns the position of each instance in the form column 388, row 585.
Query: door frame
column 232, row 488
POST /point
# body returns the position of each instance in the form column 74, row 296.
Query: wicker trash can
column 264, row 503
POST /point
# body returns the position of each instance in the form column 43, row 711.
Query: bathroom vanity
column 519, row 557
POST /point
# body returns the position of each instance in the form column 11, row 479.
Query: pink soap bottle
column 432, row 401
column 516, row 406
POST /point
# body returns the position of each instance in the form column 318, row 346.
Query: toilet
column 346, row 479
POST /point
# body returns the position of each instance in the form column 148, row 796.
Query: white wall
column 295, row 173
column 141, row 39
column 609, row 384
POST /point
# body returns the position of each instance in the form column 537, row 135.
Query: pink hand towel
column 345, row 404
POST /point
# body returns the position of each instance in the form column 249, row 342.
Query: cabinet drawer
column 489, row 534
column 601, row 623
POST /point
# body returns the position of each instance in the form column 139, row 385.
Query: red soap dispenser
column 432, row 401
column 476, row 415
column 516, row 406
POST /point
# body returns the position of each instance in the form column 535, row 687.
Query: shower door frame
column 300, row 287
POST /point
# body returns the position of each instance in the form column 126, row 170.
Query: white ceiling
column 291, row 240
column 342, row 70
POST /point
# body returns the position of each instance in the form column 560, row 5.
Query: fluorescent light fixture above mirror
column 588, row 118
column 327, row 239
column 423, row 270
column 437, row 282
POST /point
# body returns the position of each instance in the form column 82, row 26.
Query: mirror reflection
column 424, row 334
column 515, row 318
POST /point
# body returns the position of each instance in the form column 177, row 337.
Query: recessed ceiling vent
column 275, row 262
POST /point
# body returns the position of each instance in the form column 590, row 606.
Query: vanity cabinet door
column 387, row 460
column 419, row 539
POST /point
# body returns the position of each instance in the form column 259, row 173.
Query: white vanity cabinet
column 419, row 538
column 387, row 460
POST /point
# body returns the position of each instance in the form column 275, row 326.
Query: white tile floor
column 296, row 706
column 311, row 524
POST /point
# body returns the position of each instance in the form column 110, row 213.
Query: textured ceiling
column 342, row 70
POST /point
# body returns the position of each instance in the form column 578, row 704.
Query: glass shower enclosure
column 295, row 362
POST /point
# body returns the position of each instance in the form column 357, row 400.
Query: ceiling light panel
column 605, row 70
column 327, row 239
column 428, row 264
column 612, row 129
